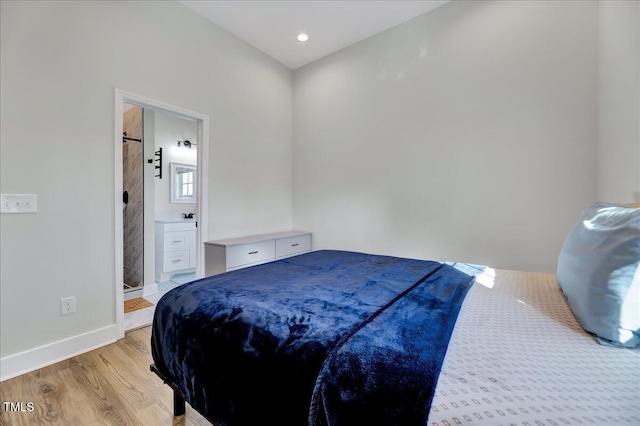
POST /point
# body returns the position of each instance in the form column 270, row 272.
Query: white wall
column 59, row 65
column 619, row 102
column 169, row 129
column 468, row 133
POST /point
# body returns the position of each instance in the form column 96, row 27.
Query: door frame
column 202, row 120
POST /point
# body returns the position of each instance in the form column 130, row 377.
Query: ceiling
column 272, row 26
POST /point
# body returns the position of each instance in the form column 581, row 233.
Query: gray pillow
column 599, row 272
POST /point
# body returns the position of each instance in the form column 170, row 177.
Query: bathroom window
column 186, row 182
column 183, row 183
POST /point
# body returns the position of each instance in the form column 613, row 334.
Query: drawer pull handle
column 177, row 261
column 296, row 244
column 252, row 252
column 177, row 241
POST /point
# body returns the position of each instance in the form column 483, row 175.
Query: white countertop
column 256, row 238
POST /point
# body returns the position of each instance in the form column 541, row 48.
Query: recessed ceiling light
column 303, row 37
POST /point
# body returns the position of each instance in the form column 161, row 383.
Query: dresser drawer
column 286, row 247
column 246, row 254
column 176, row 260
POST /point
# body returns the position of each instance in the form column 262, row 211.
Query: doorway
column 162, row 154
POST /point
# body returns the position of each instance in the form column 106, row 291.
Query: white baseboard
column 42, row 356
column 149, row 289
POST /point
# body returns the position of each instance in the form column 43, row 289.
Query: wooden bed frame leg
column 178, row 404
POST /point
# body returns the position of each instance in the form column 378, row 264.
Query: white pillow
column 599, row 272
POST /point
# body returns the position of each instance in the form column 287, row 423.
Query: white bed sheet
column 518, row 356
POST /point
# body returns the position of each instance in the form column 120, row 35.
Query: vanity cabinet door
column 175, row 248
column 176, row 241
column 176, row 260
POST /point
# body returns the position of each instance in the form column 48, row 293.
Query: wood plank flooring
column 111, row 385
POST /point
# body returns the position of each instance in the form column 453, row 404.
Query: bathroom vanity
column 175, row 248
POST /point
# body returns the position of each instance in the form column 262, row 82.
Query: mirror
column 183, row 183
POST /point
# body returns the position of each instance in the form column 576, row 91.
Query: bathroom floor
column 144, row 317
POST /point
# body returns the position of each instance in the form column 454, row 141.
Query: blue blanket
column 358, row 338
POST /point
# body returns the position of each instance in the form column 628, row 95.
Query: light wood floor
column 108, row 386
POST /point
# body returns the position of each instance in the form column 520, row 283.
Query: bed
column 342, row 338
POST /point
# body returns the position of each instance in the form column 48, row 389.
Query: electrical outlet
column 67, row 305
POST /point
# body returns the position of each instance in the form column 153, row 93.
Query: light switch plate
column 18, row 203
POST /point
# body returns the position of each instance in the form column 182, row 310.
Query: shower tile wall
column 133, row 213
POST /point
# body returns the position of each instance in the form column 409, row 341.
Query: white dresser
column 236, row 253
column 175, row 248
